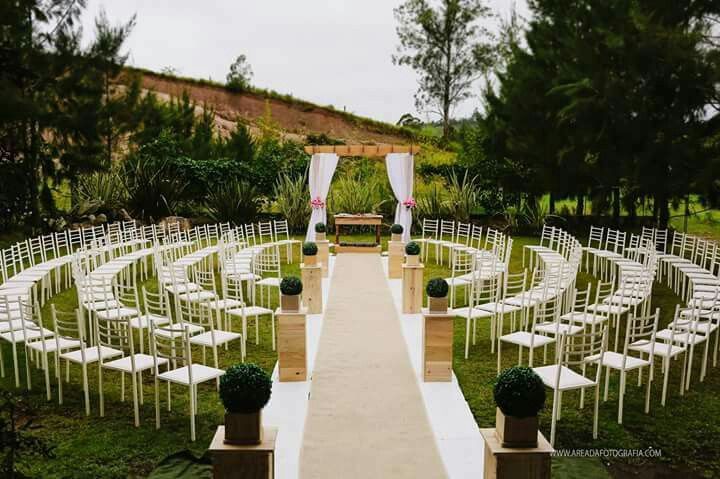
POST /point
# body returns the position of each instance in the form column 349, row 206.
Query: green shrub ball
column 396, row 229
column 320, row 227
column 519, row 392
column 245, row 388
column 309, row 248
column 437, row 288
column 291, row 285
column 412, row 249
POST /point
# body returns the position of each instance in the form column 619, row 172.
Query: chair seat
column 101, row 305
column 197, row 296
column 287, row 241
column 702, row 327
column 142, row 363
column 500, row 307
column 660, row 349
column 200, row 373
column 681, row 338
column 569, row 379
column 20, row 335
column 91, row 354
column 223, row 304
column 608, row 308
column 117, row 313
column 526, row 339
column 614, row 360
column 274, row 281
column 11, row 325
column 51, row 345
column 143, row 322
column 221, row 337
column 176, row 330
column 582, row 317
column 182, row 288
column 562, row 328
column 243, row 276
column 250, row 311
column 474, row 314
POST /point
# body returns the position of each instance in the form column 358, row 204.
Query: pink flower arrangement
column 317, row 203
column 409, row 203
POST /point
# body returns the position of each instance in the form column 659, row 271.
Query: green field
column 86, row 447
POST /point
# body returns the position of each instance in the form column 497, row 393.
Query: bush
column 234, row 201
column 309, row 248
column 99, row 192
column 245, row 388
column 396, row 229
column 519, row 392
column 437, row 288
column 412, row 249
column 291, row 286
column 292, row 200
column 320, row 227
column 154, row 188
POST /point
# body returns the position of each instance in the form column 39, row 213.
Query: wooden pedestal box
column 312, row 288
column 412, row 288
column 291, row 345
column 323, row 256
column 437, row 350
column 512, row 463
column 396, row 256
column 255, row 461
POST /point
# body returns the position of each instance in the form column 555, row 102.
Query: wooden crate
column 312, row 288
column 412, row 288
column 324, row 256
column 437, row 350
column 515, row 463
column 396, row 256
column 291, row 346
column 256, row 461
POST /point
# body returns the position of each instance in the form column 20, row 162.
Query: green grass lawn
column 88, row 447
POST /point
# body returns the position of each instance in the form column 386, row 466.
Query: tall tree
column 448, row 47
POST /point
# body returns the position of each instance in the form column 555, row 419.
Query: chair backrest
column 205, row 279
column 575, row 349
column 265, row 231
column 267, row 262
column 595, row 238
column 515, row 284
column 282, row 232
column 462, row 235
column 661, row 240
column 116, row 334
column 447, row 230
column 430, row 229
column 463, row 263
column 175, row 348
column 250, row 234
column 156, row 304
column 68, row 325
column 476, row 236
column 689, row 247
column 641, row 328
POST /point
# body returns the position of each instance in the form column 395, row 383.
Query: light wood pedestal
column 291, row 345
column 243, row 462
column 514, row 463
column 412, row 288
column 396, row 256
column 323, row 256
column 437, row 348
column 312, row 288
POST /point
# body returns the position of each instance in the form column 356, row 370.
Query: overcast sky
column 331, row 52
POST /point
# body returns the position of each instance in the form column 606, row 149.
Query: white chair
column 430, row 230
column 282, row 238
column 71, row 346
column 170, row 350
column 234, row 290
column 573, row 351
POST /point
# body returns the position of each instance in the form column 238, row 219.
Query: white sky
column 331, row 52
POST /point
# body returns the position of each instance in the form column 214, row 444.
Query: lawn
column 86, row 447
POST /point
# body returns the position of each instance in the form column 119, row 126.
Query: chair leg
column 157, row 404
column 596, row 411
column 192, row 413
column 607, row 383
column 647, row 394
column 554, row 417
column 136, row 407
column 86, row 388
column 621, row 395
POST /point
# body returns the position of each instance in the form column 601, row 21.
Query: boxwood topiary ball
column 291, row 285
column 396, row 229
column 309, row 248
column 320, row 227
column 437, row 288
column 519, row 392
column 412, row 249
column 245, row 388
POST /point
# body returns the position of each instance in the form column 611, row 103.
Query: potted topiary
column 244, row 390
column 320, row 231
column 412, row 251
column 520, row 395
column 437, row 291
column 396, row 230
column 290, row 289
column 310, row 251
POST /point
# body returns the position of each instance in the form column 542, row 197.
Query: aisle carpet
column 366, row 417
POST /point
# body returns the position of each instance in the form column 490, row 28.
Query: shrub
column 320, row 227
column 245, row 388
column 234, row 201
column 396, row 229
column 437, row 288
column 154, row 188
column 309, row 248
column 292, row 200
column 519, row 392
column 99, row 192
column 291, row 286
column 462, row 196
column 412, row 249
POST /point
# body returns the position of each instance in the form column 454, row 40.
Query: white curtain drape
column 322, row 169
column 400, row 168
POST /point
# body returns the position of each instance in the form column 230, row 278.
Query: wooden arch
column 372, row 151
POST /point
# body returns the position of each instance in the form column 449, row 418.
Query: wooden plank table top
column 358, row 220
